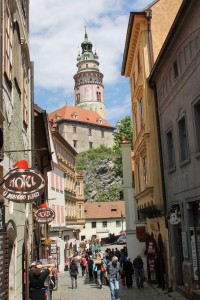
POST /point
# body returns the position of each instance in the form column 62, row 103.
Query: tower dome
column 89, row 89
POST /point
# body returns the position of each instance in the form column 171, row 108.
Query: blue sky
column 56, row 34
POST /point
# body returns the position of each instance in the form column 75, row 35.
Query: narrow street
column 89, row 291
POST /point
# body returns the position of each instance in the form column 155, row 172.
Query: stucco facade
column 143, row 43
column 103, row 219
column 15, row 81
column 175, row 78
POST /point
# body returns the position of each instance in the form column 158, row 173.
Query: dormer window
column 75, row 115
column 99, row 121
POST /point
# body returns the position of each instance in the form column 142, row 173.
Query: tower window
column 77, row 98
column 90, row 131
column 74, row 129
column 86, row 65
column 102, row 134
column 90, row 145
column 98, row 96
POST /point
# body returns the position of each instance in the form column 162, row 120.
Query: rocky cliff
column 100, row 180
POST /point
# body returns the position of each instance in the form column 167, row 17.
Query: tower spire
column 85, row 29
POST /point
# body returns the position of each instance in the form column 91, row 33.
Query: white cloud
column 57, row 31
column 120, row 110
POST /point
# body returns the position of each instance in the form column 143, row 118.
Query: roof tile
column 73, row 113
column 104, row 210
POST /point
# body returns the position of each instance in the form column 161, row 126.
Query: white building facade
column 103, row 219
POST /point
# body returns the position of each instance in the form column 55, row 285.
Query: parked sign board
column 44, row 215
column 23, row 186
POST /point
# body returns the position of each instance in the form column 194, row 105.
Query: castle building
column 89, row 89
column 84, row 125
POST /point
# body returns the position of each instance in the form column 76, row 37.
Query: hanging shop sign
column 174, row 216
column 44, row 215
column 141, row 233
column 23, row 185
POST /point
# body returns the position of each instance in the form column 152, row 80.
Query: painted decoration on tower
column 22, row 184
column 44, row 215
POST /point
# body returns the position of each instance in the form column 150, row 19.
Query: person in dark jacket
column 37, row 276
column 139, row 271
column 90, row 267
column 128, row 270
column 73, row 270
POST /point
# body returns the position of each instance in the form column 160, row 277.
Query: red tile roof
column 83, row 115
column 104, row 210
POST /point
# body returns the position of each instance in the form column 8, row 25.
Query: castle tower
column 89, row 89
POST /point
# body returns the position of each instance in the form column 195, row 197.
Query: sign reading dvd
column 23, row 185
column 44, row 215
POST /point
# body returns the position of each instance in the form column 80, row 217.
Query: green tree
column 123, row 129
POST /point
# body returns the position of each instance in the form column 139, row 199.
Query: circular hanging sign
column 23, row 186
column 44, row 215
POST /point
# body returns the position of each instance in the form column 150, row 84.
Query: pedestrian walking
column 139, row 271
column 113, row 277
column 73, row 270
column 37, row 276
column 83, row 263
column 90, row 267
column 128, row 270
column 97, row 267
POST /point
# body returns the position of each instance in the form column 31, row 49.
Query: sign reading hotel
column 44, row 215
column 23, row 185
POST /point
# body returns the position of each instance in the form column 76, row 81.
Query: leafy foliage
column 93, row 155
column 111, row 194
column 124, row 129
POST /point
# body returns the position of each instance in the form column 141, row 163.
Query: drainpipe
column 32, row 115
column 1, row 81
column 149, row 17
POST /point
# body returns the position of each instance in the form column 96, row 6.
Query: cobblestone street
column 89, row 291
